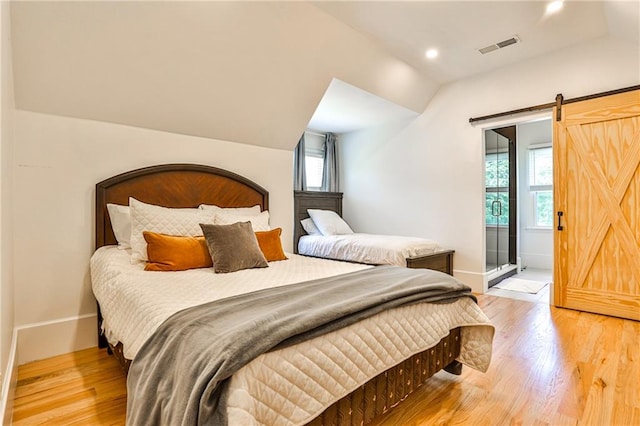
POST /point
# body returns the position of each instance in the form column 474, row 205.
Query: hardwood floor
column 81, row 388
column 550, row 367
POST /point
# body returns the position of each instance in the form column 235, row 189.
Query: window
column 541, row 185
column 314, row 159
column 314, row 164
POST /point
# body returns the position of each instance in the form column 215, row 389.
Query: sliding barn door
column 597, row 199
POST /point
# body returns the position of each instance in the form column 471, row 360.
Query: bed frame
column 441, row 260
column 189, row 185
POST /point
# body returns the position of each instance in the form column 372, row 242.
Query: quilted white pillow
column 163, row 220
column 328, row 222
column 244, row 211
column 309, row 227
column 259, row 222
column 121, row 224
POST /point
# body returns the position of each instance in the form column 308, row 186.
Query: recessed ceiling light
column 432, row 53
column 554, row 6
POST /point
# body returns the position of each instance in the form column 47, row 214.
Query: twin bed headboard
column 303, row 200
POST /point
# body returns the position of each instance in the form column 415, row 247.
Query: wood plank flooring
column 81, row 388
column 550, row 367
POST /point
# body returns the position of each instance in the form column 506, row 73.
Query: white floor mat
column 518, row 284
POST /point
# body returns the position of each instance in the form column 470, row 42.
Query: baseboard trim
column 474, row 280
column 9, row 383
column 56, row 337
column 537, row 260
column 56, row 321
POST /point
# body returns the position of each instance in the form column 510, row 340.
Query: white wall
column 535, row 245
column 6, row 223
column 58, row 161
column 426, row 179
column 364, row 169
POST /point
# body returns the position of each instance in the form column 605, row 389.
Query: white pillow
column 259, row 222
column 329, row 223
column 121, row 224
column 245, row 211
column 309, row 227
column 163, row 220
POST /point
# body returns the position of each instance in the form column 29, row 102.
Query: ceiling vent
column 504, row 43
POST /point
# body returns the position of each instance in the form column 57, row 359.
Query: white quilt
column 372, row 249
column 292, row 385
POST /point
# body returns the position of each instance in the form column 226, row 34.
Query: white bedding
column 372, row 249
column 292, row 385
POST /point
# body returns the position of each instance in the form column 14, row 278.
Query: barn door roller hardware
column 559, row 99
column 558, row 104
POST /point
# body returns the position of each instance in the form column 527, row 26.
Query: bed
column 372, row 249
column 360, row 381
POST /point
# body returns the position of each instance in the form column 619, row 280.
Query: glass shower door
column 497, row 171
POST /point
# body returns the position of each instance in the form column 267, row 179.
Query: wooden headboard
column 174, row 185
column 303, row 200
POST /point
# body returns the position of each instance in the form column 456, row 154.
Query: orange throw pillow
column 171, row 253
column 270, row 244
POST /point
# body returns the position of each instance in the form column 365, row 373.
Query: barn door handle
column 560, row 227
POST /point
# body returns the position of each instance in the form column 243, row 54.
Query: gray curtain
column 299, row 171
column 330, row 180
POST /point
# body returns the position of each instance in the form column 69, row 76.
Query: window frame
column 535, row 189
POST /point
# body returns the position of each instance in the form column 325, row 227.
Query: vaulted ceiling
column 459, row 29
column 244, row 72
column 255, row 72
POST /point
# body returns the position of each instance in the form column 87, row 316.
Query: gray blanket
column 178, row 377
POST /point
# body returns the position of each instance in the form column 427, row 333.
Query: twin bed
column 349, row 370
column 372, row 249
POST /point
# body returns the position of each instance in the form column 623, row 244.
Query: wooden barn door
column 597, row 193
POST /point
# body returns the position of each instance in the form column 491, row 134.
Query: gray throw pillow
column 233, row 247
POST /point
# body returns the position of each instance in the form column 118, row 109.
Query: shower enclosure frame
column 501, row 262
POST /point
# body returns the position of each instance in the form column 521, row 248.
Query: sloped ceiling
column 459, row 28
column 256, row 72
column 345, row 108
column 244, row 72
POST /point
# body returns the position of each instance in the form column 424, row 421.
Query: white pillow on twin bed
column 121, row 224
column 259, row 222
column 309, row 227
column 162, row 220
column 328, row 222
column 244, row 211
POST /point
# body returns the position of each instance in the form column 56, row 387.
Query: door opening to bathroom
column 500, row 203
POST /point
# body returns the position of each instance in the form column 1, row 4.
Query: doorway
column 500, row 203
column 519, row 249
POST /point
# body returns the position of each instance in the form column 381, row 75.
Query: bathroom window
column 541, row 186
